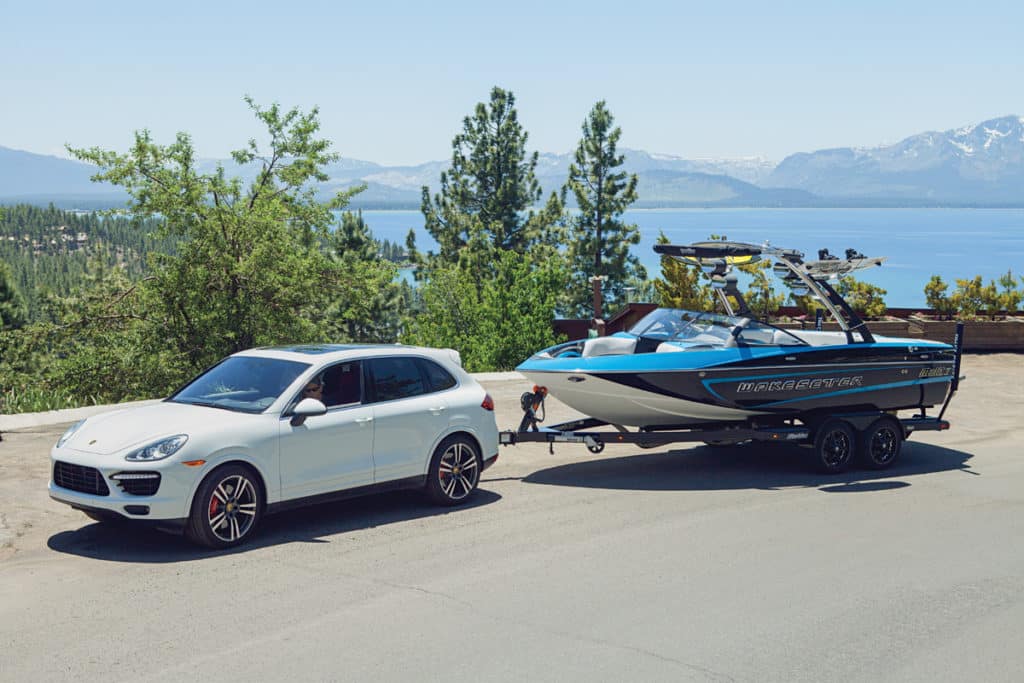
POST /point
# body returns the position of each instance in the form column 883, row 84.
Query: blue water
column 953, row 243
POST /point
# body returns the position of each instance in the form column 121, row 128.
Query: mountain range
column 978, row 165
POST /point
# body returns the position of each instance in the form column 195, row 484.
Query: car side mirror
column 307, row 407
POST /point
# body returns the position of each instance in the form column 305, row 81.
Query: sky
column 393, row 80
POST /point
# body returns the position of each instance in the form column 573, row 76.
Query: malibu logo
column 806, row 384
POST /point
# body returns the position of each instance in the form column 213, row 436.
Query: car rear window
column 395, row 378
column 438, row 379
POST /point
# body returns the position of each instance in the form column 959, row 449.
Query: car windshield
column 246, row 384
column 677, row 325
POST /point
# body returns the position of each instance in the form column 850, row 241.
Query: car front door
column 408, row 417
column 334, row 451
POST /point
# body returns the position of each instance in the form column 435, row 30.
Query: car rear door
column 408, row 417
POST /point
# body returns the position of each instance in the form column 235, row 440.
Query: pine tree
column 486, row 195
column 680, row 285
column 12, row 305
column 353, row 237
column 599, row 239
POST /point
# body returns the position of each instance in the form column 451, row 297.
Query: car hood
column 115, row 431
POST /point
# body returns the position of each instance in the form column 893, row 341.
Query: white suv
column 274, row 428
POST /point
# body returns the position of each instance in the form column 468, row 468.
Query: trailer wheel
column 833, row 446
column 880, row 443
column 596, row 448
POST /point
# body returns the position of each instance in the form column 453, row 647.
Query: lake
column 953, row 243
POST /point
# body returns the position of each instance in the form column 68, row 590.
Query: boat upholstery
column 609, row 346
column 823, row 338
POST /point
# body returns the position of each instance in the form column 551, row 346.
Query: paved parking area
column 672, row 564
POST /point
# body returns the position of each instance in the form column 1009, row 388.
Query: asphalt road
column 673, row 564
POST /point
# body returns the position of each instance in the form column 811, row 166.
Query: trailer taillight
column 488, row 403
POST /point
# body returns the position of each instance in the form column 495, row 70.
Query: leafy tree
column 509, row 321
column 105, row 344
column 680, row 285
column 599, row 240
column 487, row 194
column 935, row 296
column 249, row 269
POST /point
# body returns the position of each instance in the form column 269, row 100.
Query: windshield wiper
column 205, row 404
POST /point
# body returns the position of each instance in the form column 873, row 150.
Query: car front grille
column 138, row 483
column 79, row 478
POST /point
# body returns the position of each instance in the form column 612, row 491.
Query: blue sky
column 394, row 79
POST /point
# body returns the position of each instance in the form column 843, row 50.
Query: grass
column 31, row 399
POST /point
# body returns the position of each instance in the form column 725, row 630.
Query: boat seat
column 609, row 346
column 823, row 337
column 760, row 337
column 668, row 347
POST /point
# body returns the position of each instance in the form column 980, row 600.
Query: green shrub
column 935, row 295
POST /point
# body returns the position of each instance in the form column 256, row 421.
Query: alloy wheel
column 837, row 448
column 884, row 445
column 458, row 471
column 232, row 508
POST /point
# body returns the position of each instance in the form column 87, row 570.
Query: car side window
column 438, row 379
column 342, row 384
column 395, row 377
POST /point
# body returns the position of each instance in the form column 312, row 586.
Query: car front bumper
column 169, row 504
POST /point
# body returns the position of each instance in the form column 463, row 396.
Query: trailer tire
column 834, row 446
column 880, row 443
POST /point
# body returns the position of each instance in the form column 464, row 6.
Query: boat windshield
column 677, row 325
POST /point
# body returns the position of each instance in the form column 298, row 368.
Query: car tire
column 834, row 446
column 454, row 471
column 880, row 443
column 226, row 508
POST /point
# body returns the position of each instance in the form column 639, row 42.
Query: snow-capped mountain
column 981, row 164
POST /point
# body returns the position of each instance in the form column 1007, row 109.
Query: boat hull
column 788, row 385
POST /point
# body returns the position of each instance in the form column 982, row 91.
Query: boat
column 681, row 369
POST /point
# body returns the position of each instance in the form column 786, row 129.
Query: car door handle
column 363, row 420
column 438, row 409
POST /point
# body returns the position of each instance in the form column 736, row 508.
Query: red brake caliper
column 213, row 506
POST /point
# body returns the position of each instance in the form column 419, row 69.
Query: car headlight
column 71, row 432
column 158, row 450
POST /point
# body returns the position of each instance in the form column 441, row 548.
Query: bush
column 968, row 297
column 864, row 298
column 935, row 295
column 495, row 323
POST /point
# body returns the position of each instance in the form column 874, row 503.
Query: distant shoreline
column 88, row 204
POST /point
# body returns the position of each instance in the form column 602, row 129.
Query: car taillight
column 488, row 403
